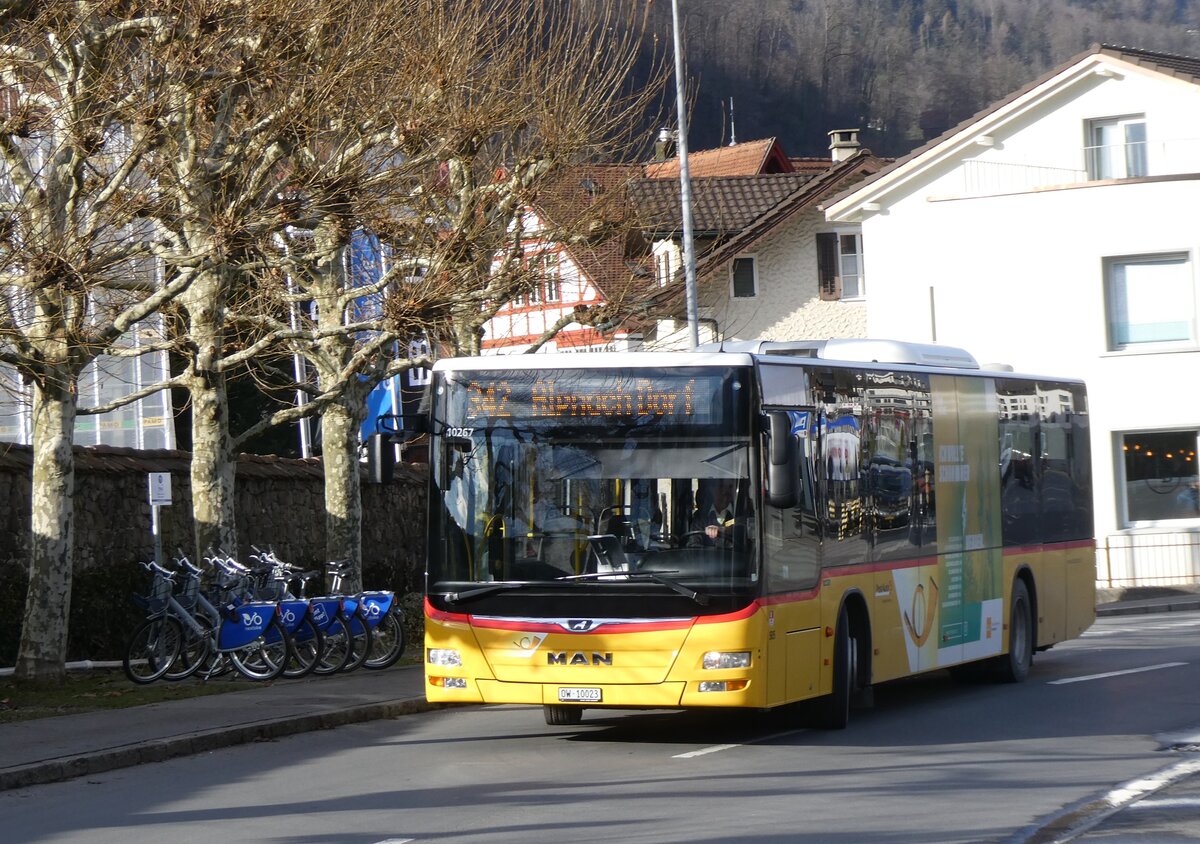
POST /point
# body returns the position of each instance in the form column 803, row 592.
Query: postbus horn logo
column 919, row 630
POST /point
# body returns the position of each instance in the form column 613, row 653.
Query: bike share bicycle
column 374, row 618
column 178, row 637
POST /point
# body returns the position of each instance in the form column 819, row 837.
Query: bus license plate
column 579, row 695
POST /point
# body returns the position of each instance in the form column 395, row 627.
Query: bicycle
column 384, row 620
column 304, row 619
column 236, row 629
column 155, row 643
column 343, row 623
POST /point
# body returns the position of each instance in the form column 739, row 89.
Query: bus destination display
column 583, row 397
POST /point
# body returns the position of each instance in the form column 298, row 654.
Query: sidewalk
column 54, row 749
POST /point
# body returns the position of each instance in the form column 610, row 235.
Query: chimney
column 664, row 145
column 843, row 143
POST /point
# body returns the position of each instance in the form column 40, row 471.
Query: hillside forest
column 901, row 70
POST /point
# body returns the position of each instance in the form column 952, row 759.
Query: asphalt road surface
column 933, row 761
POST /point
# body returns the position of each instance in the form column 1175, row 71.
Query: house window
column 850, row 262
column 743, row 280
column 840, row 266
column 1161, row 481
column 551, row 282
column 662, row 268
column 1150, row 300
column 1116, row 148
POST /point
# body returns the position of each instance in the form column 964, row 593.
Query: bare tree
column 73, row 138
column 249, row 85
column 528, row 93
column 479, row 106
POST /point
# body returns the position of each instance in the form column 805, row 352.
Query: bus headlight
column 726, row 659
column 723, row 685
column 445, row 656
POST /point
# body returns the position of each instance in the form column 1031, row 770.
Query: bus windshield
column 602, row 497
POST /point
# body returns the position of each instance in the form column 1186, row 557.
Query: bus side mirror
column 403, row 427
column 782, row 470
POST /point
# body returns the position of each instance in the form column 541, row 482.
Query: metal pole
column 685, row 187
column 156, row 529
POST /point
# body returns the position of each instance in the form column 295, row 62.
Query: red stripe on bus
column 520, row 626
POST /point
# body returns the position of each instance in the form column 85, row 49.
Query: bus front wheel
column 558, row 715
column 833, row 710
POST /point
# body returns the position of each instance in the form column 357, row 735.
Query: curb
column 159, row 750
column 1185, row 603
column 1082, row 817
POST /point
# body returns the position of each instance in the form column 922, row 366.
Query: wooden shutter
column 829, row 282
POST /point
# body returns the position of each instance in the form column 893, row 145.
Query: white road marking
column 717, row 748
column 1115, row 673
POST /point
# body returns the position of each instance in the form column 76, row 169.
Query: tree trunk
column 343, row 502
column 43, row 648
column 213, row 465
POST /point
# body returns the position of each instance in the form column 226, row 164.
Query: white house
column 1055, row 231
column 769, row 265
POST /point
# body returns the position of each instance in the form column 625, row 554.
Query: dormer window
column 1116, row 147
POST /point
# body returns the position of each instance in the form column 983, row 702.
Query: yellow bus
column 749, row 525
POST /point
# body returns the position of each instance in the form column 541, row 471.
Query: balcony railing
column 1117, row 161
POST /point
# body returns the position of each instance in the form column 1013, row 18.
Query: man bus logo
column 579, row 658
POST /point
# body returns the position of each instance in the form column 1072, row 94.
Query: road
column 933, row 761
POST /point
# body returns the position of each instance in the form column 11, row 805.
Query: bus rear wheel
column 1013, row 667
column 558, row 715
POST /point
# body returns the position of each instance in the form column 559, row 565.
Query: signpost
column 160, row 496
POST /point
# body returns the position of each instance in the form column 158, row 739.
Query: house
column 568, row 278
column 768, row 263
column 1054, row 232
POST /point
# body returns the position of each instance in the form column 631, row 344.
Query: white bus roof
column 593, row 360
column 855, row 352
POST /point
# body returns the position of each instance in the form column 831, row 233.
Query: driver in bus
column 716, row 513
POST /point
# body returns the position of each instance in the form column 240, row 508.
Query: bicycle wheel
column 339, row 647
column 266, row 657
column 152, row 648
column 387, row 643
column 307, row 643
column 362, row 637
column 194, row 652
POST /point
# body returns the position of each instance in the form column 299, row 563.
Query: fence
column 1148, row 559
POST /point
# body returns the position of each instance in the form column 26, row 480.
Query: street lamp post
column 685, row 187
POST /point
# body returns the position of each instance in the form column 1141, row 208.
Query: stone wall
column 279, row 505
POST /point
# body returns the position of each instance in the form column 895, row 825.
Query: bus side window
column 791, row 536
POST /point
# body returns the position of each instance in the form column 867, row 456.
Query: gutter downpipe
column 685, row 187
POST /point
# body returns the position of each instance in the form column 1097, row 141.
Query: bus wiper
column 655, row 577
column 480, row 591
